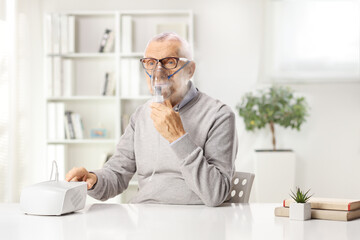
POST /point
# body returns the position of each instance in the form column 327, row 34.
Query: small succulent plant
column 300, row 196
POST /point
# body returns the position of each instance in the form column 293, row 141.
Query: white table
column 140, row 221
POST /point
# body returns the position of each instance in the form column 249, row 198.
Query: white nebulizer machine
column 53, row 197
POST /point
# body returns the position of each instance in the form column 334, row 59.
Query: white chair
column 240, row 187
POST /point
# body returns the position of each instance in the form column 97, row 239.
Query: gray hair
column 172, row 36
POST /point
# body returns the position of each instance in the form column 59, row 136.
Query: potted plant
column 300, row 209
column 276, row 105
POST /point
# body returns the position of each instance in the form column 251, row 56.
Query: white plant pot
column 300, row 211
column 274, row 175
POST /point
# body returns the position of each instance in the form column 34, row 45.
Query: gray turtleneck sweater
column 195, row 169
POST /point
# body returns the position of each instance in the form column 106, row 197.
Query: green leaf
column 300, row 196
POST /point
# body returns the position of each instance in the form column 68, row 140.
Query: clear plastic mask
column 160, row 84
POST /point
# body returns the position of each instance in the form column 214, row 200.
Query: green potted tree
column 276, row 105
column 301, row 208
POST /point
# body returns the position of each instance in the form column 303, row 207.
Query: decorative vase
column 300, row 211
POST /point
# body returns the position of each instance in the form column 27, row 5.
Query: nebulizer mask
column 159, row 74
column 160, row 84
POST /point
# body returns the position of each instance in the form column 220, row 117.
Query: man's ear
column 191, row 69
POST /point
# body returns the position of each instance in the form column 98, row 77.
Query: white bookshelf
column 77, row 45
column 81, row 141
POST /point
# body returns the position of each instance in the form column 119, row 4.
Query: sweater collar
column 191, row 93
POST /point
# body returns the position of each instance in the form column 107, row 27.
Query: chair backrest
column 241, row 187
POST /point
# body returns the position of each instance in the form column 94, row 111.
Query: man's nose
column 159, row 69
column 159, row 66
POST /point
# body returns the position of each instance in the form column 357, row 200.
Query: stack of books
column 326, row 209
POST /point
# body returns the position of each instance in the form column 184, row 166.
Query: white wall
column 2, row 9
column 227, row 52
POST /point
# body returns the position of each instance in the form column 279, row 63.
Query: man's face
column 178, row 82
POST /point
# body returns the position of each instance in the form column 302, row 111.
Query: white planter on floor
column 300, row 211
column 274, row 175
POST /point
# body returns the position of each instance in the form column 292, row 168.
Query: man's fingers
column 74, row 179
column 79, row 173
column 162, row 112
column 156, row 106
column 156, row 113
column 70, row 174
column 168, row 103
column 159, row 106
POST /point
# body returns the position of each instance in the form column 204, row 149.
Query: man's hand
column 81, row 174
column 167, row 121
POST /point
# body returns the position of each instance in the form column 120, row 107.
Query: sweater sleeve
column 114, row 177
column 208, row 171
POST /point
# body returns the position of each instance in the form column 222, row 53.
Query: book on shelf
column 60, row 34
column 107, row 41
column 78, row 126
column 66, row 127
column 70, row 131
column 55, row 34
column 71, row 34
column 60, row 77
column 63, row 34
column 130, row 77
column 74, row 127
column 126, row 34
column 55, row 121
column 329, row 203
column 109, row 84
column 323, row 214
column 109, row 46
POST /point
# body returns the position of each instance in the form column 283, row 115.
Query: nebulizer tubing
column 56, row 171
column 157, row 97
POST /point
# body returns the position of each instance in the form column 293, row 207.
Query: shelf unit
column 88, row 71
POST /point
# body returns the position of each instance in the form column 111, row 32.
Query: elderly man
column 182, row 149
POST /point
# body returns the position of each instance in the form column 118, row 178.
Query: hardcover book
column 329, row 203
column 323, row 214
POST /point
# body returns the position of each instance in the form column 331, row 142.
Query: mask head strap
column 178, row 69
column 148, row 74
